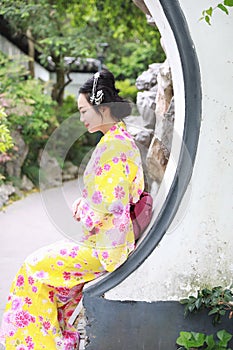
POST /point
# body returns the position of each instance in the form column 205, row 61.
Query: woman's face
column 91, row 119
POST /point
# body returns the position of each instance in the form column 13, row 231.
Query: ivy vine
column 223, row 6
column 218, row 301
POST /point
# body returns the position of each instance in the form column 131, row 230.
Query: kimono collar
column 119, row 125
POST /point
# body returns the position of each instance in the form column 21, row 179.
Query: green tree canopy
column 73, row 29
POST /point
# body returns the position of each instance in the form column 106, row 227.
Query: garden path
column 24, row 227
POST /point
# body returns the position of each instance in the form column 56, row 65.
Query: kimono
column 49, row 283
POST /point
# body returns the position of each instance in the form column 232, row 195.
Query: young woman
column 48, row 285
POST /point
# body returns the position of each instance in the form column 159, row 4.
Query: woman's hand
column 75, row 209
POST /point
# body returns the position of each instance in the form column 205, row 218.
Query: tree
column 49, row 25
column 62, row 29
column 133, row 43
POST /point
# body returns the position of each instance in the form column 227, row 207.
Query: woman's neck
column 107, row 126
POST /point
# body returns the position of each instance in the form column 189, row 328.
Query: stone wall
column 155, row 103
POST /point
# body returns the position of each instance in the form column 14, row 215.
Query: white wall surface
column 197, row 249
column 12, row 50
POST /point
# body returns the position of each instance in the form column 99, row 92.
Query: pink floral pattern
column 29, row 321
column 112, row 179
column 48, row 286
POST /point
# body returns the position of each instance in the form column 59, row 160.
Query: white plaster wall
column 78, row 79
column 12, row 50
column 8, row 48
column 197, row 249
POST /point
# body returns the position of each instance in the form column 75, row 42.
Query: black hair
column 119, row 107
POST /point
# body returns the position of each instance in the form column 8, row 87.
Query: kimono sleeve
column 105, row 211
column 112, row 233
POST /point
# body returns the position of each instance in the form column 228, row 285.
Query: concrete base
column 114, row 325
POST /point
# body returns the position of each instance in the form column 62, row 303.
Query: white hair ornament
column 96, row 97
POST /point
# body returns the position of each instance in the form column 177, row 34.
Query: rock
column 153, row 131
column 13, row 167
column 19, row 193
column 144, row 138
column 168, row 126
column 146, row 106
column 165, row 91
column 26, row 184
column 70, row 171
column 157, row 158
column 5, row 192
column 160, row 147
column 148, row 79
column 50, row 171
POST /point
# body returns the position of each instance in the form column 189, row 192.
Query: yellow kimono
column 49, row 284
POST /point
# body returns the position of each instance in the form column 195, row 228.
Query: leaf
column 222, row 312
column 191, row 307
column 210, row 342
column 224, row 337
column 207, row 291
column 223, row 8
column 213, row 311
column 199, row 338
column 191, row 339
column 183, row 339
column 184, row 301
column 209, row 11
column 192, row 298
column 207, row 19
column 198, row 303
column 228, row 3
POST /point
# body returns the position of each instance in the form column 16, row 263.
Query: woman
column 48, row 286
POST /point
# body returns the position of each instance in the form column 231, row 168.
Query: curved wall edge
column 192, row 93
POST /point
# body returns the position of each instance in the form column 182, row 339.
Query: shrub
column 127, row 89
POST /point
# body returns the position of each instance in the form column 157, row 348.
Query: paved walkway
column 26, row 225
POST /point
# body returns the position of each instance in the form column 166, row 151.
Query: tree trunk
column 31, row 53
column 58, row 87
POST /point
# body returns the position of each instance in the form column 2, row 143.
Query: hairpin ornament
column 96, row 97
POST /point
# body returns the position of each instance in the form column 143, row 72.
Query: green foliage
column 68, row 108
column 27, row 106
column 60, row 29
column 218, row 300
column 5, row 137
column 32, row 172
column 31, row 110
column 27, row 109
column 49, row 22
column 133, row 43
column 223, row 6
column 133, row 58
column 127, row 90
column 193, row 340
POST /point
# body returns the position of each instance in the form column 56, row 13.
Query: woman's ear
column 103, row 109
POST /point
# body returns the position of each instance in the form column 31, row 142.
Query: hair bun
column 101, row 89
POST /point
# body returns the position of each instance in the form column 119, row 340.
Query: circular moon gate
column 192, row 117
